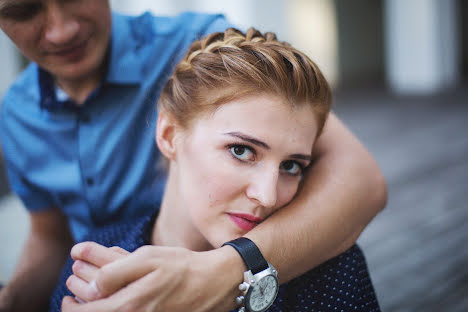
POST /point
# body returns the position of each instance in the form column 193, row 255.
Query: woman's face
column 238, row 165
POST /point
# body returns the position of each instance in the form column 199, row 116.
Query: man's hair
column 227, row 66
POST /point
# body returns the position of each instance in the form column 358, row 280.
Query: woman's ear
column 165, row 135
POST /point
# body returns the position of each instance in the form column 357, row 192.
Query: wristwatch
column 260, row 286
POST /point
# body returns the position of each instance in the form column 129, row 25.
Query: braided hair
column 226, row 66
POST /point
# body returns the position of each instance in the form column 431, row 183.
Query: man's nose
column 61, row 27
column 263, row 188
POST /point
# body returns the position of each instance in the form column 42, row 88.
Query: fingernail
column 79, row 300
column 94, row 289
column 75, row 251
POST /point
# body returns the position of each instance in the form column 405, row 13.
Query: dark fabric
column 340, row 284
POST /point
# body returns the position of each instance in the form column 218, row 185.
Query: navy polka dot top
column 340, row 284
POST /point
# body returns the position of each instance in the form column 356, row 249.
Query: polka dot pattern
column 341, row 284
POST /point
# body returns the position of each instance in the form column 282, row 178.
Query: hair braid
column 225, row 66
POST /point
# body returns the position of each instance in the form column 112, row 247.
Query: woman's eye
column 291, row 167
column 242, row 152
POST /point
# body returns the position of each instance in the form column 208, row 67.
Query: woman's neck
column 173, row 226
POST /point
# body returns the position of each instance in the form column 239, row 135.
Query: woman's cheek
column 286, row 191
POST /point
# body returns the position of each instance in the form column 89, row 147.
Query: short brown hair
column 226, row 66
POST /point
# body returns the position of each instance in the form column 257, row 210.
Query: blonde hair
column 226, row 66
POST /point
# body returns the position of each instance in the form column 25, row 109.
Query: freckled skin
column 210, row 182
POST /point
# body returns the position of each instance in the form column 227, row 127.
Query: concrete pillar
column 9, row 63
column 422, row 46
column 266, row 15
column 157, row 7
column 314, row 31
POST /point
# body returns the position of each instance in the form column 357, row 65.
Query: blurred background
column 399, row 70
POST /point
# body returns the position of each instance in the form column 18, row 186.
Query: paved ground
column 416, row 248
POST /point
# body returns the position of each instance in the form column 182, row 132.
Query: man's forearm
column 341, row 194
column 36, row 273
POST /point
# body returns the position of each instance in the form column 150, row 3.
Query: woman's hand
column 153, row 278
column 89, row 258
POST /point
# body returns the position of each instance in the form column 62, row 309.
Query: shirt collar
column 129, row 38
column 52, row 98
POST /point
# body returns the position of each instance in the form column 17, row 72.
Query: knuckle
column 144, row 251
column 69, row 282
column 65, row 305
column 77, row 266
column 85, row 249
column 103, row 275
column 101, row 281
column 115, row 248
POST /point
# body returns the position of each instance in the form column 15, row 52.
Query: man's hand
column 43, row 255
column 153, row 278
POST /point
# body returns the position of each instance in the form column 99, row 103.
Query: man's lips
column 245, row 221
column 72, row 52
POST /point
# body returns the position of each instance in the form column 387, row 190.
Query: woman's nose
column 61, row 27
column 263, row 188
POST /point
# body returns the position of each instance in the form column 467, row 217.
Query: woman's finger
column 82, row 289
column 69, row 304
column 85, row 270
column 119, row 250
column 95, row 254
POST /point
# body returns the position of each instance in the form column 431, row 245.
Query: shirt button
column 89, row 181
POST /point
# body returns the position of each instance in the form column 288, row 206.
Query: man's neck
column 78, row 90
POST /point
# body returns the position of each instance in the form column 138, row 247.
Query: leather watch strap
column 250, row 253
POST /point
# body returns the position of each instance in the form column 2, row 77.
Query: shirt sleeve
column 33, row 197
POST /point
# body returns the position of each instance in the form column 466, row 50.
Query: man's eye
column 21, row 13
column 291, row 167
column 242, row 152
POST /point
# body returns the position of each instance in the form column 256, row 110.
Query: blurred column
column 9, row 63
column 157, row 7
column 265, row 15
column 422, row 45
column 314, row 31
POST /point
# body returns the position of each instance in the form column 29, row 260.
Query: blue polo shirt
column 98, row 163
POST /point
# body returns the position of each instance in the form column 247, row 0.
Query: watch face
column 263, row 294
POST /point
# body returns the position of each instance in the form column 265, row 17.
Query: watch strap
column 250, row 253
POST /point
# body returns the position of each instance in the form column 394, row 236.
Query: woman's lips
column 244, row 221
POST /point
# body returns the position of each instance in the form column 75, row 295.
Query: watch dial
column 263, row 294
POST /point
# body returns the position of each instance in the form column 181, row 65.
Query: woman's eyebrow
column 302, row 157
column 249, row 139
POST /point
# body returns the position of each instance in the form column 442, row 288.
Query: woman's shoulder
column 340, row 284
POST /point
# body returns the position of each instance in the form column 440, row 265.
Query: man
column 77, row 136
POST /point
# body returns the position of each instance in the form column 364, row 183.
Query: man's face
column 68, row 38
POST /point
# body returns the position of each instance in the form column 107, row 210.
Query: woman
column 237, row 124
